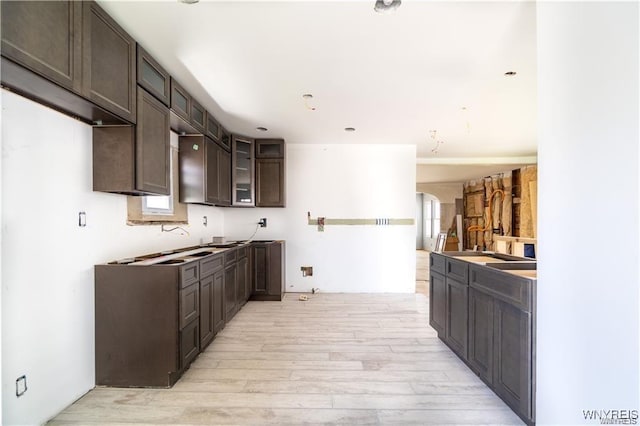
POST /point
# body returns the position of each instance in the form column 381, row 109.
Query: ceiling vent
column 386, row 6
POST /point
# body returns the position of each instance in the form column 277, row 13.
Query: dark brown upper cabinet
column 153, row 77
column 181, row 110
column 108, row 63
column 204, row 171
column 270, row 173
column 44, row 36
column 134, row 160
column 225, row 138
column 242, row 172
column 197, row 116
column 42, row 54
column 269, row 148
column 212, row 128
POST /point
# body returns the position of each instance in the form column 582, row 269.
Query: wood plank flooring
column 361, row 359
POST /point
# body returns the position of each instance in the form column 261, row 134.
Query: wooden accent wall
column 512, row 213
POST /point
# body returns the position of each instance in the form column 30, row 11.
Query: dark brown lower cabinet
column 218, row 301
column 456, row 316
column 189, row 343
column 481, row 309
column 146, row 324
column 241, row 282
column 437, row 302
column 230, row 278
column 512, row 376
column 268, row 270
column 207, row 305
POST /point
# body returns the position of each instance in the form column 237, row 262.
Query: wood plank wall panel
column 512, row 214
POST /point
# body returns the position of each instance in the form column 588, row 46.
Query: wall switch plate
column 21, row 385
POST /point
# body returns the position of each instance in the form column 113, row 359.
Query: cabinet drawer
column 502, row 285
column 189, row 304
column 438, row 263
column 458, row 270
column 189, row 344
column 211, row 264
column 230, row 256
column 189, row 274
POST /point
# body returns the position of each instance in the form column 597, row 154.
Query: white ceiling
column 393, row 77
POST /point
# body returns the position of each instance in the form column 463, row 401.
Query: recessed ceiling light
column 307, row 96
column 261, row 129
column 386, row 6
column 349, row 129
column 188, row 1
column 510, row 73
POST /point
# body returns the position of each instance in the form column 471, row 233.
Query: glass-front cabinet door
column 242, row 160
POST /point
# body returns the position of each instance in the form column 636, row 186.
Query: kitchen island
column 482, row 305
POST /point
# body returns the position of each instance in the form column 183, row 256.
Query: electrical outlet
column 263, row 222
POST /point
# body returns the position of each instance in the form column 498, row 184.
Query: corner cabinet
column 242, row 172
column 270, row 173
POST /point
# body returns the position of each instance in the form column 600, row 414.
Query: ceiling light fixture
column 386, row 6
column 349, row 129
column 261, row 129
column 307, row 97
column 510, row 73
column 188, row 1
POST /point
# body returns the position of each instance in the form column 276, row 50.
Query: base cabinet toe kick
column 484, row 310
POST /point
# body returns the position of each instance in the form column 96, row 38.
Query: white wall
column 47, row 275
column 445, row 192
column 343, row 181
column 588, row 286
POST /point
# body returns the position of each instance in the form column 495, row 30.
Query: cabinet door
column 241, row 279
column 218, row 301
column 189, row 343
column 109, row 63
column 44, row 36
column 212, row 172
column 152, row 145
column 275, row 269
column 206, row 311
column 212, row 127
column 224, row 178
column 230, row 274
column 269, row 148
column 481, row 342
column 197, row 116
column 153, row 77
column 242, row 178
column 456, row 316
column 189, row 304
column 512, row 377
column 437, row 302
column 270, row 183
column 260, row 256
column 180, row 101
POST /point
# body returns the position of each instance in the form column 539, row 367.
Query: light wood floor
column 334, row 359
